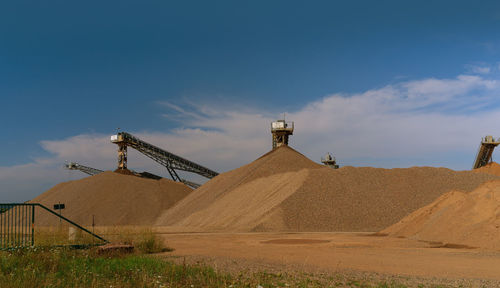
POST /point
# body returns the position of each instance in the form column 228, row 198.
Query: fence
column 17, row 228
column 16, row 225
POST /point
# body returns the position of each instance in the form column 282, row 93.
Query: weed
column 149, row 242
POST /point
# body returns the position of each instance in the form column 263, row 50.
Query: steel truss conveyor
column 93, row 171
column 85, row 169
column 170, row 161
column 485, row 151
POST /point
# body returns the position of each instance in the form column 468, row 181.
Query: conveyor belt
column 93, row 171
column 485, row 151
column 85, row 169
column 167, row 159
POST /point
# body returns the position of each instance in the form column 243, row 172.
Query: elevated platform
column 281, row 130
column 485, row 151
column 329, row 161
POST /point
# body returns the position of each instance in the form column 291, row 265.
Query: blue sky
column 71, row 73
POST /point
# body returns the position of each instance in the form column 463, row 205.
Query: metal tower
column 485, row 151
column 281, row 130
column 329, row 161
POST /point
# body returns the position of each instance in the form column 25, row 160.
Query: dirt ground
column 358, row 254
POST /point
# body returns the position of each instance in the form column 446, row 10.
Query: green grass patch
column 63, row 267
column 83, row 268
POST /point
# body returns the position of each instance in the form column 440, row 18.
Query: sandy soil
column 471, row 219
column 338, row 253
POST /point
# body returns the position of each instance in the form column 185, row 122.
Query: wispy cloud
column 481, row 68
column 431, row 121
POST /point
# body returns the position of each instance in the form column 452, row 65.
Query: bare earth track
column 357, row 255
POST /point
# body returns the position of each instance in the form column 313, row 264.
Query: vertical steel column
column 1, row 226
column 22, row 227
column 26, row 229
column 122, row 156
column 10, row 226
column 21, row 234
column 15, row 226
column 33, row 225
column 4, row 229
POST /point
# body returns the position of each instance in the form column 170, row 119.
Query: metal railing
column 17, row 226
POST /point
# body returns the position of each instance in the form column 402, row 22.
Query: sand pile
column 285, row 191
column 243, row 194
column 490, row 168
column 113, row 198
column 471, row 219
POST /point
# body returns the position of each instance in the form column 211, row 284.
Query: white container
column 278, row 125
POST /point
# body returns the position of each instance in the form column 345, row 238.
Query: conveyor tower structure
column 330, row 161
column 85, row 169
column 168, row 160
column 281, row 130
column 93, row 171
column 485, row 151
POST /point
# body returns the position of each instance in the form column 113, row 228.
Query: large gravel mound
column 471, row 219
column 285, row 191
column 113, row 198
column 490, row 168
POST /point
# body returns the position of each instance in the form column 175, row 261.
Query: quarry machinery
column 485, row 151
column 281, row 130
column 85, row 169
column 93, row 171
column 329, row 161
column 168, row 160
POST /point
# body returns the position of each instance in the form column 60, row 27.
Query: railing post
column 1, row 226
column 33, row 225
column 17, row 225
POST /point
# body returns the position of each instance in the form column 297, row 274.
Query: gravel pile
column 114, row 199
column 471, row 219
column 491, row 168
column 285, row 191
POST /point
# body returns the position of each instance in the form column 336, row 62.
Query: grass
column 63, row 267
column 143, row 239
column 148, row 242
column 66, row 267
column 62, row 235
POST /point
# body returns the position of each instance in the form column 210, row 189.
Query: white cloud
column 435, row 122
column 479, row 69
